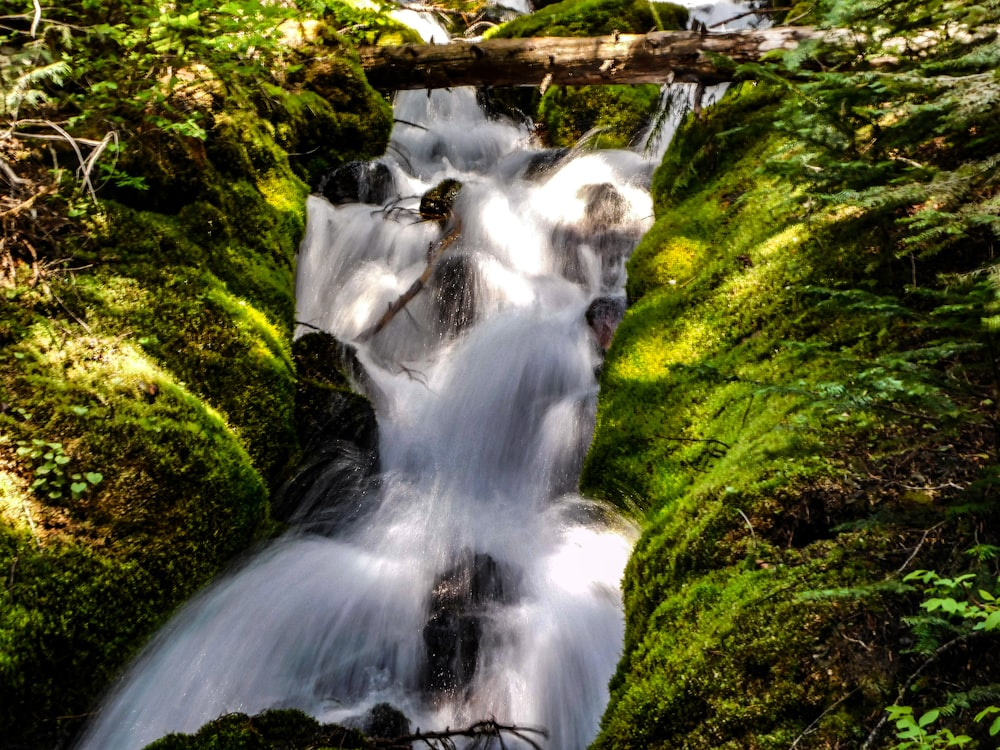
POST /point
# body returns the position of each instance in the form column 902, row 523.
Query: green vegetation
column 594, row 18
column 147, row 387
column 956, row 613
column 597, row 116
column 801, row 399
column 270, row 730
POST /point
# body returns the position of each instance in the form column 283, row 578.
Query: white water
column 481, row 436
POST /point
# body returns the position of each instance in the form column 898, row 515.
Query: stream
column 467, row 580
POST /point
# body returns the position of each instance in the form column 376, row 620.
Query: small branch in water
column 411, row 124
column 483, row 730
column 403, row 299
column 309, row 325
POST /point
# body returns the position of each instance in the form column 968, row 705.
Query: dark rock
column 605, row 205
column 460, row 602
column 339, row 434
column 603, row 316
column 358, row 182
column 385, row 721
column 436, row 203
column 453, row 287
column 544, row 162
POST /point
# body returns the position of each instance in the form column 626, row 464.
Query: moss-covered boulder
column 791, row 460
column 147, row 384
column 270, row 730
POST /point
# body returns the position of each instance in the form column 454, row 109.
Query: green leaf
column 78, row 487
column 62, row 460
column 94, row 477
column 990, row 623
column 79, row 410
column 929, row 717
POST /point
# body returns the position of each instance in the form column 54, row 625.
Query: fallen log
column 657, row 57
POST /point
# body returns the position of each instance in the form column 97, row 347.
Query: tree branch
column 403, row 299
column 488, row 729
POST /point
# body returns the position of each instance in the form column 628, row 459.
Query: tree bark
column 657, row 57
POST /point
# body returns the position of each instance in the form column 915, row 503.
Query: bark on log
column 657, row 57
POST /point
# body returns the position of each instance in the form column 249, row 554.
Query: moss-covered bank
column 146, row 374
column 778, row 407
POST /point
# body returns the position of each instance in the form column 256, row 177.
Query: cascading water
column 678, row 99
column 475, row 584
column 468, row 580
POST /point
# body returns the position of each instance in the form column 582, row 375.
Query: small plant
column 51, row 476
column 966, row 613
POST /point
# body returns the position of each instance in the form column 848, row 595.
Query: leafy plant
column 962, row 610
column 51, row 477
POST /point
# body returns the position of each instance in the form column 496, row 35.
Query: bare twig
column 758, row 12
column 26, row 204
column 812, row 727
column 489, row 728
column 917, row 548
column 86, row 163
column 937, row 654
column 415, row 287
column 38, row 17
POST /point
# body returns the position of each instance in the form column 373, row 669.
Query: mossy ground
column 158, row 360
column 764, row 600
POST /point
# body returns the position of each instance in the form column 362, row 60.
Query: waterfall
column 678, row 99
column 474, row 582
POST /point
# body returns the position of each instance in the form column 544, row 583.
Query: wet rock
column 453, row 286
column 544, row 162
column 605, row 206
column 385, row 721
column 603, row 316
column 358, row 182
column 459, row 605
column 338, row 432
column 436, row 203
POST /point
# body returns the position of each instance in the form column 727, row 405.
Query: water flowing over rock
column 465, row 579
column 358, row 182
column 603, row 316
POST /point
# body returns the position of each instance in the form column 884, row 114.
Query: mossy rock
column 162, row 365
column 270, row 730
column 763, row 602
column 608, row 116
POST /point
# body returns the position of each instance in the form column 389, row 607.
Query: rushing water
column 475, row 583
column 468, row 580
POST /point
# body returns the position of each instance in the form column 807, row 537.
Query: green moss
column 595, row 18
column 615, row 116
column 270, row 730
column 732, row 419
column 162, row 364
